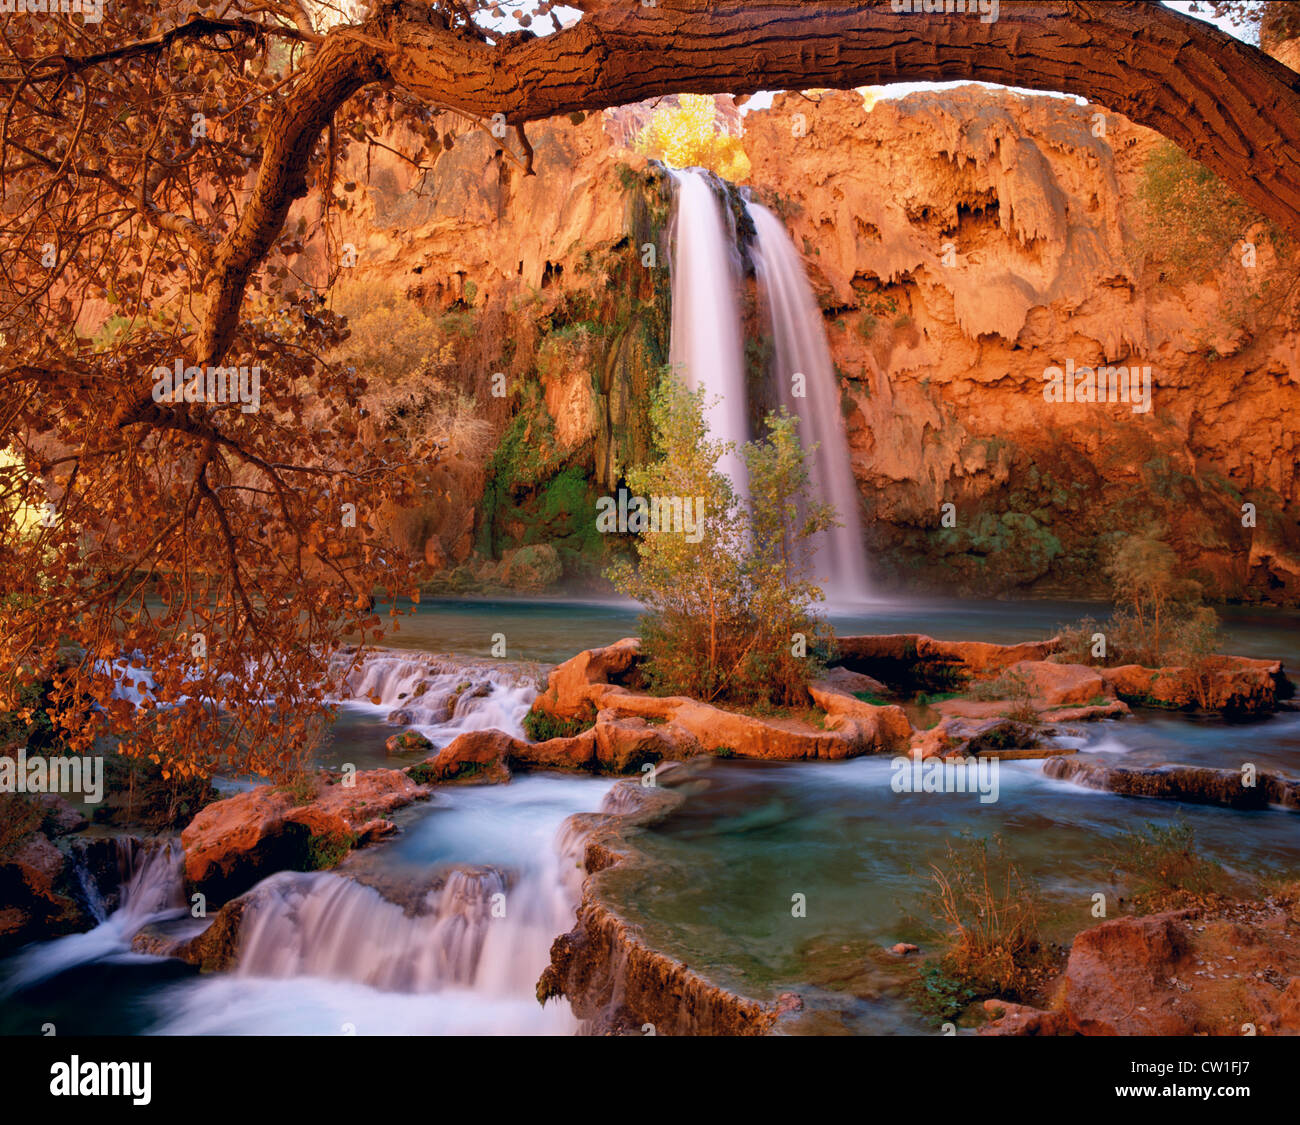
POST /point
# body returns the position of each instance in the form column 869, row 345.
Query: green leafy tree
column 1180, row 194
column 782, row 522
column 1144, row 570
column 729, row 602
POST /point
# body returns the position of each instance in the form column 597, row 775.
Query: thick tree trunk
column 1225, row 103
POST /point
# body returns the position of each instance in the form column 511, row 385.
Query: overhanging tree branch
column 1224, row 102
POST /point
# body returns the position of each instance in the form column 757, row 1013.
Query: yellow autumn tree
column 14, row 505
column 688, row 135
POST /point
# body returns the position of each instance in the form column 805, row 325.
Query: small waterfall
column 799, row 338
column 439, row 698
column 153, row 891
column 706, row 349
column 155, row 888
column 320, row 951
column 323, row 925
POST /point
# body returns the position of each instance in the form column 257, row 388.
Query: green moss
column 609, row 318
column 329, row 850
column 423, row 773
column 941, row 994
column 542, row 726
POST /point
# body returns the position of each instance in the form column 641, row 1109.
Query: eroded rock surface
column 1175, row 973
column 612, row 978
column 1236, row 789
column 232, row 844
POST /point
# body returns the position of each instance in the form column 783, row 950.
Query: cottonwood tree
column 148, row 165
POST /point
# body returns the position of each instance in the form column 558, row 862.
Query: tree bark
column 1222, row 101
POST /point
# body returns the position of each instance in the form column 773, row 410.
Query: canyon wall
column 965, row 242
column 961, row 242
column 509, row 316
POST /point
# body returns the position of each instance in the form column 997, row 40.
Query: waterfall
column 474, row 931
column 439, row 698
column 449, row 947
column 799, row 338
column 153, row 892
column 706, row 348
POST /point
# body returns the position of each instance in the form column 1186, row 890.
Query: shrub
column 991, row 914
column 541, row 726
column 140, row 793
column 1159, row 620
column 1180, row 194
column 409, row 358
column 725, row 611
column 1144, row 571
column 300, row 789
column 1168, row 869
column 1077, row 644
column 1015, row 687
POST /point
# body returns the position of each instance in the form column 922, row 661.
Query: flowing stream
column 490, row 882
column 446, row 927
column 472, row 894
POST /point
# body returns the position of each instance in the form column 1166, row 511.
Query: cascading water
column 473, row 931
column 321, row 953
column 440, row 699
column 153, row 892
column 706, row 348
column 799, row 339
column 474, row 890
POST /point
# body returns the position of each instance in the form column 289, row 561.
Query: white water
column 706, row 349
column 323, row 954
column 799, row 339
column 441, row 700
column 487, row 876
column 153, row 892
